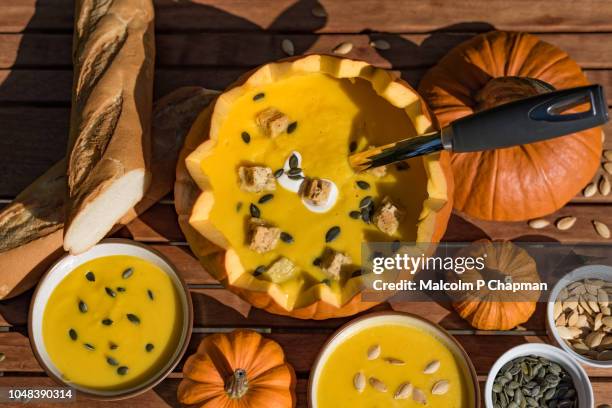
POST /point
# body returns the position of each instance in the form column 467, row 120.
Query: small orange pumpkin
column 237, row 370
column 518, row 183
column 486, row 309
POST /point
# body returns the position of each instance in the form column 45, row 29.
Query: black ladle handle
column 529, row 120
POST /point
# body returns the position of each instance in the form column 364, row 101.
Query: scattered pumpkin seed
column 380, row 44
column 259, row 96
column 419, row 396
column 73, row 334
column 355, row 214
column 112, row 346
column 246, row 137
column 127, row 273
column 352, row 146
column 254, row 210
column 565, row 223
column 538, row 223
column 364, row 185
column 602, row 229
column 374, row 352
column 120, row 289
column 404, row 391
column 291, row 128
column 286, row 237
column 278, row 173
column 343, row 48
column 150, row 294
column 296, row 177
column 82, row 306
column 288, row 47
column 295, row 171
column 432, row 367
column 107, row 322
column 440, row 387
column 2, row 357
column 604, row 185
column 112, row 361
column 259, row 270
column 265, row 198
column 395, row 361
column 366, row 202
column 319, row 11
column 332, row 234
column 90, row 276
column 89, row 346
column 377, row 384
column 149, row 347
column 133, row 318
column 316, row 261
column 359, row 381
column 110, row 292
column 608, row 167
column 293, row 161
column 122, row 370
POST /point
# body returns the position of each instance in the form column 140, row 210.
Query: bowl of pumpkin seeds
column 537, row 375
column 579, row 315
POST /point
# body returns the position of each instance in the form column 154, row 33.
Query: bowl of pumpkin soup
column 111, row 322
column 392, row 359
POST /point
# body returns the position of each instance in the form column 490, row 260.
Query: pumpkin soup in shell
column 112, row 323
column 279, row 195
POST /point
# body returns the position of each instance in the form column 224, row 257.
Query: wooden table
column 209, row 43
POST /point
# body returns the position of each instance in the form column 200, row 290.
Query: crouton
column 388, row 217
column 317, row 191
column 272, row 122
column 256, row 179
column 332, row 262
column 281, row 270
column 263, row 237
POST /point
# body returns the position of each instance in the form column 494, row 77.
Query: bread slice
column 108, row 147
column 31, row 227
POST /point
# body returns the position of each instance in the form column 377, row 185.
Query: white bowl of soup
column 111, row 322
column 390, row 360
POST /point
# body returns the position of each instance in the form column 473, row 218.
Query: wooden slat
column 378, row 15
column 251, row 49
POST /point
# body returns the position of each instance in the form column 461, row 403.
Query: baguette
column 31, row 227
column 108, row 146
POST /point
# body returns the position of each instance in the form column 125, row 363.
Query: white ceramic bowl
column 584, row 272
column 395, row 318
column 552, row 353
column 67, row 264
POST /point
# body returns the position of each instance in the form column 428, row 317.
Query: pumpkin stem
column 501, row 90
column 237, row 384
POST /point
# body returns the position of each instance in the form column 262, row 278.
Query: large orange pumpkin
column 516, row 183
column 488, row 309
column 237, row 370
column 194, row 197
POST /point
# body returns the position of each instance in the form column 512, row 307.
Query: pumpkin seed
column 112, row 361
column 602, row 229
column 404, row 391
column 122, row 370
column 295, row 171
column 374, row 352
column 332, row 234
column 604, row 185
column 150, row 294
column 286, row 237
column 149, row 347
column 352, row 146
column 107, row 322
column 317, row 261
column 566, row 223
column 608, row 167
column 133, row 318
column 440, row 388
column 395, row 361
column 73, row 334
column 293, row 161
column 366, row 202
column 355, row 214
column 127, row 273
column 365, row 215
column 259, row 270
column 288, row 47
column 110, row 292
column 112, row 346
column 278, row 173
column 377, row 384
column 254, row 210
column 432, row 367
column 265, row 198
column 296, row 177
column 419, row 396
column 90, row 276
column 589, row 190
column 291, row 128
column 120, row 289
column 238, row 206
column 359, row 381
column 246, row 137
column 2, row 357
column 402, row 166
column 380, row 44
column 608, row 155
column 318, row 11
column 539, row 223
column 82, row 306
column 364, row 185
column 89, row 346
column 343, row 48
column 259, row 96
